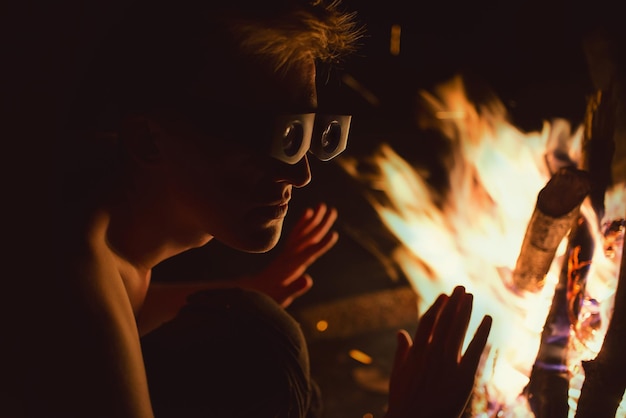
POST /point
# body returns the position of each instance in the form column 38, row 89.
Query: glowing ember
column 471, row 234
column 360, row 356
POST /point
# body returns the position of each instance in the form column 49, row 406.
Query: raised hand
column 430, row 376
column 285, row 278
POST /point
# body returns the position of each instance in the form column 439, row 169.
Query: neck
column 145, row 232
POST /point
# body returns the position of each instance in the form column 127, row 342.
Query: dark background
column 529, row 52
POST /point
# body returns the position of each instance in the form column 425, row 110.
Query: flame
column 470, row 234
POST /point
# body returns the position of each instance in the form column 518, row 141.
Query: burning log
column 605, row 376
column 548, row 388
column 556, row 210
column 600, row 117
column 599, row 147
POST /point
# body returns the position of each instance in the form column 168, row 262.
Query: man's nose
column 298, row 174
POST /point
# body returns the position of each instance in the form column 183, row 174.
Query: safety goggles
column 324, row 136
column 285, row 137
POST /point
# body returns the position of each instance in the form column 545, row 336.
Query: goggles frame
column 324, row 136
column 286, row 137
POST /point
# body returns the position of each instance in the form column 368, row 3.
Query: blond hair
column 159, row 47
column 318, row 29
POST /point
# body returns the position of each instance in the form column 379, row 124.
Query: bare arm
column 86, row 358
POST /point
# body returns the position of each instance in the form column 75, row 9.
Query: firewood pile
column 556, row 214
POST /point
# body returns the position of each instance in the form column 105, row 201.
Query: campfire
column 530, row 223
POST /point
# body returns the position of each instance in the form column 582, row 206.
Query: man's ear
column 139, row 136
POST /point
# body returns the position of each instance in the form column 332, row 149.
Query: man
column 194, row 125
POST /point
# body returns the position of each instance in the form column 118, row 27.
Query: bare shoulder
column 92, row 267
column 81, row 339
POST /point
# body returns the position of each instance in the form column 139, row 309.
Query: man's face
column 226, row 189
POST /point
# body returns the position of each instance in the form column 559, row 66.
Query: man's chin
column 259, row 241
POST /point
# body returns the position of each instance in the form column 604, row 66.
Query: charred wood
column 605, row 376
column 548, row 387
column 601, row 115
column 598, row 147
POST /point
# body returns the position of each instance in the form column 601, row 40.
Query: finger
column 307, row 221
column 327, row 221
column 286, row 295
column 404, row 344
column 400, row 358
column 310, row 254
column 318, row 214
column 428, row 320
column 290, row 264
column 311, row 229
column 458, row 329
column 402, row 350
column 319, row 225
column 314, row 232
column 445, row 320
column 471, row 358
column 424, row 331
column 303, row 221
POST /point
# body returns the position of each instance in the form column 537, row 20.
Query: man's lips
column 270, row 212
